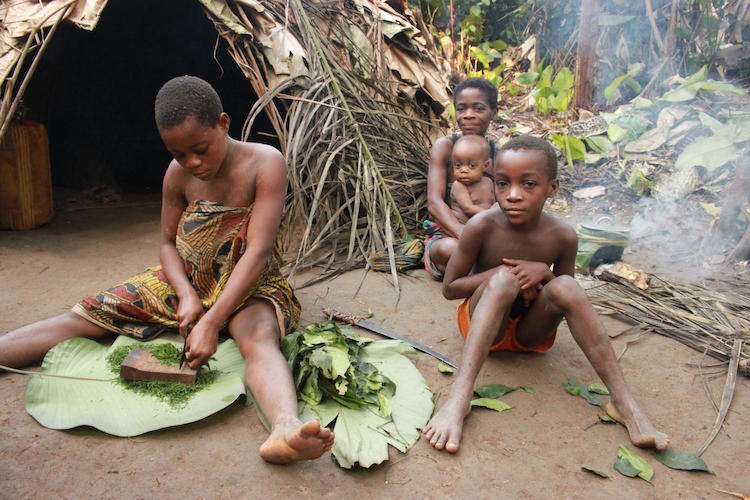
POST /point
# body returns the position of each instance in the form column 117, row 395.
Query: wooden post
column 588, row 31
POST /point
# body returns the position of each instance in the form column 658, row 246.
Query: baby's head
column 193, row 125
column 470, row 157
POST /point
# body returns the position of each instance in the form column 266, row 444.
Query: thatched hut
column 350, row 91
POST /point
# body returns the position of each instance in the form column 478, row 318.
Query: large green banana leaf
column 363, row 435
column 60, row 403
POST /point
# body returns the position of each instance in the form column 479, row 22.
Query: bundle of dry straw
column 354, row 122
column 707, row 316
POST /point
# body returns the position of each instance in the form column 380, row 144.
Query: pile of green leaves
column 174, row 394
column 325, row 362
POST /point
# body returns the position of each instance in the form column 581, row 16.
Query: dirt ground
column 534, row 450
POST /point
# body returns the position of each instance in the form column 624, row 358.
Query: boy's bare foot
column 444, row 429
column 642, row 433
column 293, row 440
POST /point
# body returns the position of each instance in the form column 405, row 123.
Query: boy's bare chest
column 539, row 246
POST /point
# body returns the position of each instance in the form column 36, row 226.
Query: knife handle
column 339, row 316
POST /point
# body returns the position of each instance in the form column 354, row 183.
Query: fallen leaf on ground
column 492, row 404
column 577, row 389
column 607, row 419
column 572, row 389
column 631, row 465
column 681, row 460
column 595, row 472
column 444, row 367
column 598, row 388
column 493, row 391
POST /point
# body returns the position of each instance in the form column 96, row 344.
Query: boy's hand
column 189, row 311
column 529, row 294
column 529, row 273
column 201, row 344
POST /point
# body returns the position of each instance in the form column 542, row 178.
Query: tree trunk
column 588, row 32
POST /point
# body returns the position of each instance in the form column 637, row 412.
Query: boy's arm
column 457, row 282
column 437, row 180
column 565, row 265
column 189, row 307
column 532, row 273
column 461, row 196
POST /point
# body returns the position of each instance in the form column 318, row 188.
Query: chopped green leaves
column 492, row 404
column 681, row 460
column 174, row 394
column 607, row 419
column 631, row 465
column 444, row 367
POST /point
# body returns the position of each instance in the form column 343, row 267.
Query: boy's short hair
column 483, row 85
column 476, row 141
column 531, row 143
column 186, row 96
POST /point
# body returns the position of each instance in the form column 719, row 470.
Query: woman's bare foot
column 642, row 433
column 444, row 429
column 291, row 440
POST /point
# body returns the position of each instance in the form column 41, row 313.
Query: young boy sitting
column 220, row 252
column 514, row 302
column 471, row 191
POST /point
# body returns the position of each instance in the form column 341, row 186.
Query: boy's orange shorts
column 509, row 342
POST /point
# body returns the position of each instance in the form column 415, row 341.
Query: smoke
column 671, row 234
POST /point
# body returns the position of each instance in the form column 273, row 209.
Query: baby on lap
column 472, row 191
